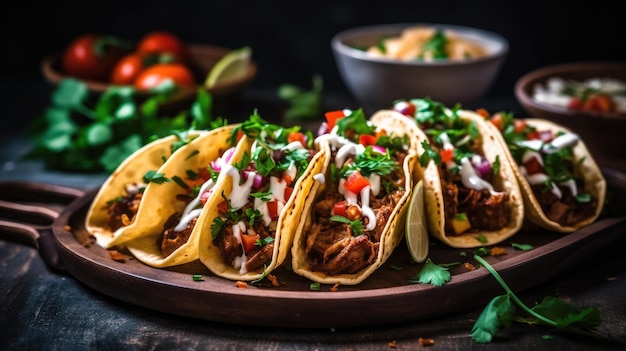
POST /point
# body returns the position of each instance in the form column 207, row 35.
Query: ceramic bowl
column 603, row 133
column 376, row 82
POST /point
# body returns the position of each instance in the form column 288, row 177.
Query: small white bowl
column 376, row 82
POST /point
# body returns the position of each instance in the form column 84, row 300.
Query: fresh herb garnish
column 356, row 225
column 431, row 273
column 303, row 104
column 552, row 312
column 76, row 134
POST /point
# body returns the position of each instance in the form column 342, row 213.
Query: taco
column 253, row 216
column 117, row 201
column 563, row 187
column 470, row 188
column 357, row 214
column 165, row 232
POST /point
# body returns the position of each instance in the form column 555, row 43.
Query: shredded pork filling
column 333, row 247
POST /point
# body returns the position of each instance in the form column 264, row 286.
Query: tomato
column 519, row 126
column 92, row 56
column 405, row 107
column 159, row 42
column 297, row 136
column 446, row 155
column 356, row 182
column 128, row 69
column 154, row 75
column 496, row 120
column 249, row 241
column 367, row 139
column 533, row 166
column 339, row 209
column 599, row 103
column 332, row 117
column 287, row 193
column 272, row 209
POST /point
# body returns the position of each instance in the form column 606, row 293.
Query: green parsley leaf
column 356, row 225
column 431, row 273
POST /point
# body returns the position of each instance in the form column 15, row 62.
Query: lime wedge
column 232, row 66
column 415, row 231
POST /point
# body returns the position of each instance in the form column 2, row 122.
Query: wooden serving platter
column 386, row 297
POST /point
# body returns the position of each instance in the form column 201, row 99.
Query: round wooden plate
column 386, row 297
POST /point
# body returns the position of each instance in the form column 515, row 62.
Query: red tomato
column 332, row 117
column 406, row 108
column 154, row 75
column 446, row 155
column 367, row 139
column 339, row 209
column 496, row 119
column 297, row 136
column 272, row 209
column 287, row 193
column 533, row 166
column 249, row 241
column 92, row 56
column 128, row 69
column 159, row 42
column 356, row 182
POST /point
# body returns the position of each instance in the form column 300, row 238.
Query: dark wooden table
column 43, row 309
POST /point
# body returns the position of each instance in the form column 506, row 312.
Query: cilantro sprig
column 84, row 132
column 552, row 312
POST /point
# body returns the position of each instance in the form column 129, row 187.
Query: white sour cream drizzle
column 538, row 146
column 469, row 177
column 347, row 149
column 194, row 207
column 239, row 198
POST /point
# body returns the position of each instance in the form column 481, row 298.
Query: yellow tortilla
column 288, row 223
column 595, row 183
column 152, row 156
column 143, row 237
column 506, row 181
column 393, row 232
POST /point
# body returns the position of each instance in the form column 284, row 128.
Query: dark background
column 291, row 39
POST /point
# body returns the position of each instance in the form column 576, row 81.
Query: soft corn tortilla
column 289, row 220
column 505, row 181
column 595, row 183
column 152, row 156
column 393, row 233
column 143, row 237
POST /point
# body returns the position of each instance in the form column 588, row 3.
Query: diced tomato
column 205, row 174
column 599, row 103
column 287, row 179
column 575, row 104
column 204, row 197
column 249, row 241
column 339, row 209
column 332, row 117
column 287, row 194
column 367, row 139
column 356, row 182
column 223, row 207
column 272, row 209
column 297, row 136
column 518, row 126
column 534, row 135
column 446, row 155
column 496, row 120
column 484, row 113
column 533, row 166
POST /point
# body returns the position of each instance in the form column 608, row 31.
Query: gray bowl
column 376, row 82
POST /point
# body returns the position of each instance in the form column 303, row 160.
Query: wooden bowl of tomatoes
column 102, row 61
column 587, row 97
